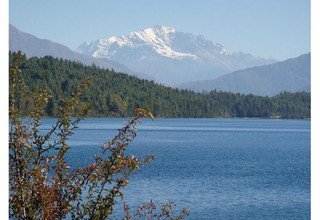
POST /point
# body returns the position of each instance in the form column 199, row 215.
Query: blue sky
column 277, row 28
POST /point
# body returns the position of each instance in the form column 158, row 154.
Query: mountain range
column 292, row 75
column 171, row 57
column 33, row 46
column 177, row 59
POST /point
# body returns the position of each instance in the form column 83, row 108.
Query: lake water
column 217, row 168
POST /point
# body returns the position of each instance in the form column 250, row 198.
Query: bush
column 42, row 184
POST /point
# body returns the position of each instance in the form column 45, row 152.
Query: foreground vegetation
column 43, row 185
column 117, row 94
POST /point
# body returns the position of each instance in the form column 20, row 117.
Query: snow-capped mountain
column 32, row 46
column 170, row 56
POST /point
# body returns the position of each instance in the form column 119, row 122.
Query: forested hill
column 117, row 94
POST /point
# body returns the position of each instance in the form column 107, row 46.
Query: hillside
column 32, row 46
column 117, row 94
column 292, row 75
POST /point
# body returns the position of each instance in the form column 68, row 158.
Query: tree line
column 115, row 94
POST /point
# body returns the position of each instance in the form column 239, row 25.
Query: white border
column 315, row 109
column 4, row 52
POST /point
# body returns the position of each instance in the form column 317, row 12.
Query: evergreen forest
column 113, row 94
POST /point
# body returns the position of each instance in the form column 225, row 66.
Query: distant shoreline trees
column 117, row 94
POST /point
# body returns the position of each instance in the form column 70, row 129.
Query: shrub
column 42, row 184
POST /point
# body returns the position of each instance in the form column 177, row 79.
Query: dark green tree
column 117, row 94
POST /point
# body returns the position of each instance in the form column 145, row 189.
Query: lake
column 217, row 168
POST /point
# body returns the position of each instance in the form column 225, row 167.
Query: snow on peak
column 163, row 40
column 121, row 41
column 159, row 38
column 155, row 34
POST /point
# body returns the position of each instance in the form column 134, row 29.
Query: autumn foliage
column 42, row 184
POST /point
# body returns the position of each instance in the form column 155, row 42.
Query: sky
column 276, row 28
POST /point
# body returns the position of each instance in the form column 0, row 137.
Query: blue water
column 217, row 168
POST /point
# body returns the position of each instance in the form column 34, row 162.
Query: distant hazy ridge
column 292, row 75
